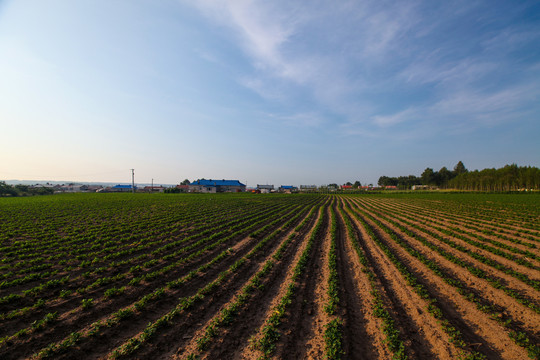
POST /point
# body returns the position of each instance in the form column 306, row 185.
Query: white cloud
column 397, row 118
column 261, row 29
column 304, row 43
column 449, row 73
column 346, row 57
column 487, row 108
column 511, row 38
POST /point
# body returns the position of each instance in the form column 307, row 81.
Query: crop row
column 482, row 304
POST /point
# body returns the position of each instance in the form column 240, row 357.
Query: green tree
column 460, row 169
column 444, row 176
column 428, row 177
column 387, row 181
column 185, row 182
column 357, row 184
column 7, row 190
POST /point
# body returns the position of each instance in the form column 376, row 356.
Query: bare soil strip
column 476, row 326
column 510, row 281
column 234, row 339
column 313, row 345
column 247, row 351
column 466, row 232
column 181, row 339
column 112, row 337
column 526, row 320
column 96, row 347
column 423, row 336
column 484, row 287
column 390, row 284
column 76, row 281
column 73, row 303
column 363, row 337
column 448, row 220
column 466, row 216
column 298, row 326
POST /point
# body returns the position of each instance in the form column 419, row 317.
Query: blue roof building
column 214, row 186
column 121, row 188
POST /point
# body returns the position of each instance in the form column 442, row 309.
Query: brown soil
column 303, row 326
column 233, row 338
column 312, row 345
column 476, row 326
column 492, row 224
column 298, row 326
column 73, row 321
column 421, row 333
column 506, row 279
column 247, row 351
column 445, row 220
column 364, row 339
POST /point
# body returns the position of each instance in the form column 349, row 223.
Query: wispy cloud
column 451, row 73
column 397, row 118
column 260, row 29
column 462, row 111
column 487, row 108
column 350, row 58
column 511, row 38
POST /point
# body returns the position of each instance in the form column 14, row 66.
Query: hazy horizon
column 266, row 92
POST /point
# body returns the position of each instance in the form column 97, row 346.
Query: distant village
column 205, row 186
column 507, row 178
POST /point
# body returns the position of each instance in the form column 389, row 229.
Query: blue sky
column 279, row 92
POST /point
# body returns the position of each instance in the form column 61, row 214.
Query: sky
column 266, row 92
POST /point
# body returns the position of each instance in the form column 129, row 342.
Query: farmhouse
column 215, row 186
column 308, row 188
column 121, row 188
column 265, row 188
column 183, row 188
column 154, row 189
column 287, row 189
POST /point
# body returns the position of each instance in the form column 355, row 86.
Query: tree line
column 22, row 190
column 429, row 177
column 507, row 178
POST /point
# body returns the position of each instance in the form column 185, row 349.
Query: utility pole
column 132, row 180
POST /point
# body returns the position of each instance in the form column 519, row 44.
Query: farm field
column 250, row 276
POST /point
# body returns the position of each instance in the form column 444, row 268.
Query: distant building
column 215, row 186
column 121, row 188
column 346, row 187
column 391, row 187
column 265, row 188
column 91, row 188
column 68, row 188
column 288, row 189
column 308, row 188
column 153, row 189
